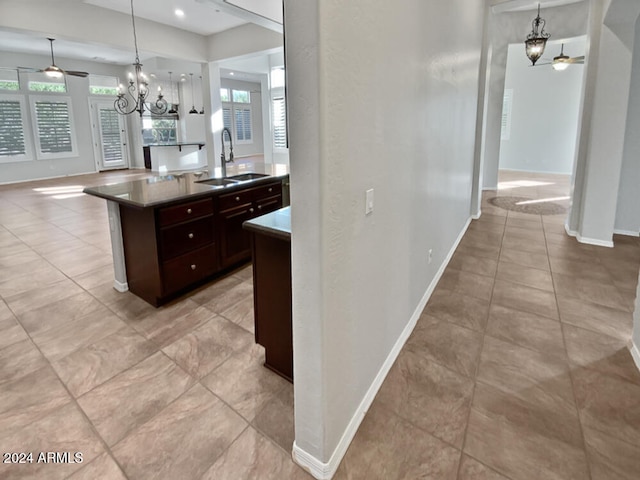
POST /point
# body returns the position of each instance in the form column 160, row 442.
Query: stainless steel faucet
column 223, row 158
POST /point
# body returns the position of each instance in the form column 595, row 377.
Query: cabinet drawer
column 267, row 191
column 185, row 237
column 267, row 205
column 232, row 200
column 185, row 211
column 186, row 269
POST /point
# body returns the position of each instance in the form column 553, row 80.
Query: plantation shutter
column 226, row 121
column 11, row 131
column 279, row 123
column 110, row 130
column 54, row 126
column 243, row 124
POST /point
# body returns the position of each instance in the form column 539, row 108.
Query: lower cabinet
column 169, row 249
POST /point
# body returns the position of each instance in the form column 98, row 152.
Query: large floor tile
column 471, row 469
column 613, row 322
column 33, row 299
column 454, row 347
column 276, row 419
column 64, row 430
column 589, row 291
column 102, row 468
column 251, row 457
column 134, row 396
column 91, row 366
column 458, row 308
column 244, row 382
column 430, row 396
column 528, row 276
column 388, row 447
column 473, row 264
column 19, row 359
column 183, row 441
column 208, row 346
column 610, row 458
column 527, row 259
column 523, row 440
column 526, row 329
column 527, row 299
column 467, row 283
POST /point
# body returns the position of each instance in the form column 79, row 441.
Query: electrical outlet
column 430, row 255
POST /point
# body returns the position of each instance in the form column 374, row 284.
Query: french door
column 109, row 136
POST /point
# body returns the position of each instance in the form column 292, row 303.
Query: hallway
column 518, row 368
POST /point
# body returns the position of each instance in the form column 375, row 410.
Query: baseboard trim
column 594, row 241
column 121, row 287
column 635, row 353
column 629, row 233
column 477, row 215
column 571, row 233
column 325, row 471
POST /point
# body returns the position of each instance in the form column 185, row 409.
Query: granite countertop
column 178, row 144
column 275, row 224
column 161, row 190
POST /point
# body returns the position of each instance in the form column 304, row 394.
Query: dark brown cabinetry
column 237, row 207
column 170, row 248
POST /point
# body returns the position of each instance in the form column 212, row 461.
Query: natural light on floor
column 543, row 200
column 60, row 193
column 521, row 183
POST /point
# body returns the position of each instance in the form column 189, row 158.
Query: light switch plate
column 368, row 204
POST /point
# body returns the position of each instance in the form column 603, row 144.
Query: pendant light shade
column 537, row 39
column 173, row 110
column 193, row 105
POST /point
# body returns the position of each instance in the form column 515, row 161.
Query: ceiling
column 502, row 6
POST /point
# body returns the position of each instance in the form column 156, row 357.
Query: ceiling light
column 179, row 13
column 138, row 90
column 231, row 73
column 561, row 62
column 537, row 39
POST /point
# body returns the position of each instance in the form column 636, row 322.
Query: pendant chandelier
column 138, row 89
column 201, row 112
column 193, row 104
column 537, row 39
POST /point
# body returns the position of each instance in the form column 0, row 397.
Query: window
column 13, row 145
column 277, row 77
column 53, row 127
column 236, row 115
column 159, row 129
column 103, row 85
column 224, row 95
column 9, row 79
column 279, row 122
column 39, row 82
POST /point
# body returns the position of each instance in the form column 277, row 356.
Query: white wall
column 628, row 209
column 509, row 28
column 544, row 113
column 382, row 96
column 78, row 91
column 191, row 125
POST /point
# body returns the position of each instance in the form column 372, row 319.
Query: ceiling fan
column 53, row 70
column 562, row 61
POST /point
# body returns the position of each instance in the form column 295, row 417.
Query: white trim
column 629, row 233
column 594, row 241
column 325, row 471
column 121, row 287
column 635, row 353
column 486, row 189
column 477, row 215
column 571, row 233
column 17, row 182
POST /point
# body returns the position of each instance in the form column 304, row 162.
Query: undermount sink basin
column 217, row 181
column 243, row 177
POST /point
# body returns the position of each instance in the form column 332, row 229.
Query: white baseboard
column 629, row 233
column 477, row 215
column 594, row 241
column 635, row 353
column 571, row 233
column 325, row 471
column 121, row 287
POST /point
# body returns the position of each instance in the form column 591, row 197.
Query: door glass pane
column 110, row 132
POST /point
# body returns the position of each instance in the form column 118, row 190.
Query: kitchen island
column 172, row 233
column 271, row 254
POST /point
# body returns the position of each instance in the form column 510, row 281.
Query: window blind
column 279, row 123
column 11, row 130
column 54, row 126
column 243, row 124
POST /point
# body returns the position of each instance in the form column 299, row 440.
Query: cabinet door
column 235, row 242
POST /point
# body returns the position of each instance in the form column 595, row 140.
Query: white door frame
column 96, row 133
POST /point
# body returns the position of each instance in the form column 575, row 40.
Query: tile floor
column 517, row 369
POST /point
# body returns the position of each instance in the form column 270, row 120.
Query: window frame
column 28, row 155
column 276, row 96
column 55, row 98
column 232, row 107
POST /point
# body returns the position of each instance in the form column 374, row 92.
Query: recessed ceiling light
column 179, row 13
column 231, row 73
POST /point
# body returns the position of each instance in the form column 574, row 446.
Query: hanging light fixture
column 138, row 89
column 173, row 110
column 201, row 90
column 537, row 39
column 562, row 61
column 193, row 104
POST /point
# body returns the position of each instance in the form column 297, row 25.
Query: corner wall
column 381, row 96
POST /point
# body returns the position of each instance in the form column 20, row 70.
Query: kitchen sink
column 218, row 181
column 243, row 177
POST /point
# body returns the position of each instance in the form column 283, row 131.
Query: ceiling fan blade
column 540, row 64
column 76, row 73
column 576, row 60
column 30, row 69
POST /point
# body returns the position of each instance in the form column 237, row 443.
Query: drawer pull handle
column 193, row 267
column 189, row 211
column 259, row 207
column 251, row 210
column 191, row 235
column 237, row 199
column 271, row 189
